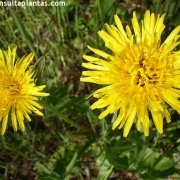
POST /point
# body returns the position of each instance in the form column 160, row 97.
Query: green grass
column 70, row 142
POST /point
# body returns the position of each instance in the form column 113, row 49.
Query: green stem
column 64, row 118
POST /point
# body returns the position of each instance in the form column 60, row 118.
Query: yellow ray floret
column 18, row 92
column 140, row 77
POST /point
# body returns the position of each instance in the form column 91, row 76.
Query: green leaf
column 150, row 157
column 105, row 168
column 118, row 153
column 72, row 163
column 41, row 168
column 164, row 164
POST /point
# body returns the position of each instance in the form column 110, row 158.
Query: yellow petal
column 119, row 25
column 157, row 117
column 119, row 118
column 13, row 119
column 129, row 122
column 136, row 27
column 170, row 98
column 173, row 35
column 35, row 110
column 20, row 118
column 4, row 124
column 100, row 53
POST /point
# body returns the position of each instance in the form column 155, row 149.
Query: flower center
column 10, row 90
column 144, row 73
column 13, row 88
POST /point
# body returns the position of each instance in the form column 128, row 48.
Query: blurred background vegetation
column 69, row 142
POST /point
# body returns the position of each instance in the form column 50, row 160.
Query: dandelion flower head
column 140, row 77
column 18, row 92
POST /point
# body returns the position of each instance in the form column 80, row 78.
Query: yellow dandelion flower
column 18, row 92
column 141, row 76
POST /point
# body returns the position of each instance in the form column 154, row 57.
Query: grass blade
column 23, row 32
